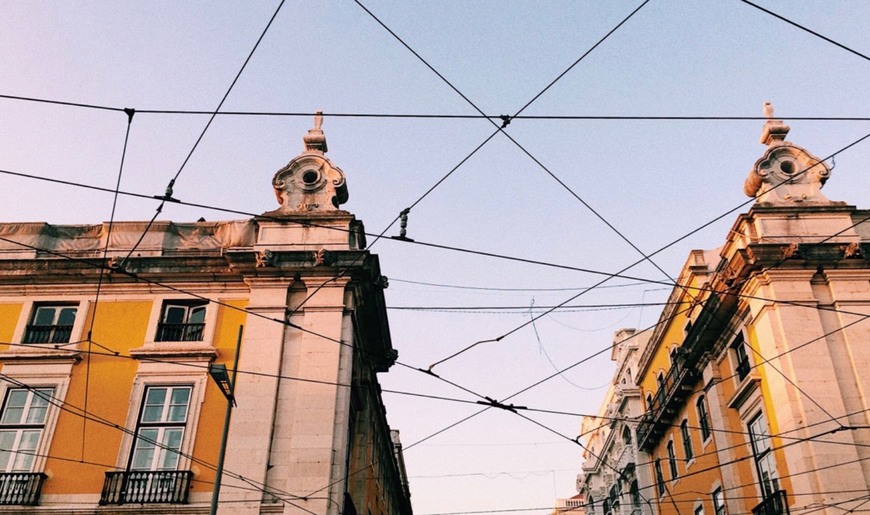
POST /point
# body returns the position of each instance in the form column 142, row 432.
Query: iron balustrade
column 47, row 333
column 146, row 487
column 20, row 488
column 179, row 332
column 775, row 503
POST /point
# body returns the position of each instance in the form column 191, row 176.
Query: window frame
column 660, row 477
column 740, row 355
column 154, row 345
column 54, row 375
column 185, row 328
column 29, row 312
column 703, row 418
column 687, row 440
column 164, row 426
column 672, row 461
column 718, row 497
column 19, row 428
column 159, row 374
column 764, row 460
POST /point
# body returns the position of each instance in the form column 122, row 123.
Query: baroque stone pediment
column 310, row 182
column 786, row 173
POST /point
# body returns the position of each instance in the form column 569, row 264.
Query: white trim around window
column 37, row 376
column 165, row 374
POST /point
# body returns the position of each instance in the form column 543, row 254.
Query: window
column 626, row 435
column 635, row 495
column 21, row 425
column 718, row 502
column 687, row 440
column 160, row 429
column 699, row 510
column 761, row 452
column 672, row 461
column 660, row 478
column 703, row 418
column 181, row 321
column 741, row 358
column 50, row 324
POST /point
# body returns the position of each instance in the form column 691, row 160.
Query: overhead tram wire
column 739, row 206
column 506, row 121
column 423, row 116
column 167, row 196
column 805, row 29
column 129, row 113
column 422, row 243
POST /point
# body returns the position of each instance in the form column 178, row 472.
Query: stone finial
column 310, row 182
column 786, row 173
column 315, row 140
column 774, row 131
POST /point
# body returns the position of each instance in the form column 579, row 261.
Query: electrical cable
column 805, row 29
column 76, row 411
column 129, row 113
column 423, row 116
column 167, row 196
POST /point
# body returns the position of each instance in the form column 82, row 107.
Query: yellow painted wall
column 208, row 436
column 9, row 314
column 107, row 381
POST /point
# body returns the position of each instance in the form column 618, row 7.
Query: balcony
column 773, row 504
column 47, row 333
column 146, row 487
column 179, row 332
column 685, row 371
column 20, row 488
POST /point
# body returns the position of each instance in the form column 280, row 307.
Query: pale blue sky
column 653, row 180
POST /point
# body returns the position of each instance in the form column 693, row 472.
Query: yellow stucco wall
column 9, row 314
column 208, row 435
column 107, row 381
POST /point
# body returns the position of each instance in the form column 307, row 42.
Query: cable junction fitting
column 403, row 225
column 495, row 404
column 505, row 121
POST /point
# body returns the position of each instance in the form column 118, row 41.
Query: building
column 610, row 480
column 111, row 334
column 753, row 382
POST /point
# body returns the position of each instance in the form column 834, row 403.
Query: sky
column 561, row 195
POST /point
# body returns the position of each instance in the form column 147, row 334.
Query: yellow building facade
column 753, row 383
column 111, row 335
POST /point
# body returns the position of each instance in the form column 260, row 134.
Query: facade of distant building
column 611, row 482
column 753, row 382
column 110, row 332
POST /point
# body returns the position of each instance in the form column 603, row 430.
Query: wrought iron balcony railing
column 20, row 488
column 47, row 333
column 773, row 504
column 179, row 332
column 146, row 487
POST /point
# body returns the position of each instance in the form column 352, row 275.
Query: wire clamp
column 495, row 404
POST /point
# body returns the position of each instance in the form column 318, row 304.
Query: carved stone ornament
column 310, row 182
column 786, row 173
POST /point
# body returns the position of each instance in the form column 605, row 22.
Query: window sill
column 41, row 351
column 196, row 350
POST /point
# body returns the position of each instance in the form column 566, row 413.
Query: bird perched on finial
column 767, row 110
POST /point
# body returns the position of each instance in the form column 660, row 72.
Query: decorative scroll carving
column 310, row 182
column 265, row 259
column 786, row 173
column 852, row 250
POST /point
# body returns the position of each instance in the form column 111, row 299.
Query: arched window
column 626, row 435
